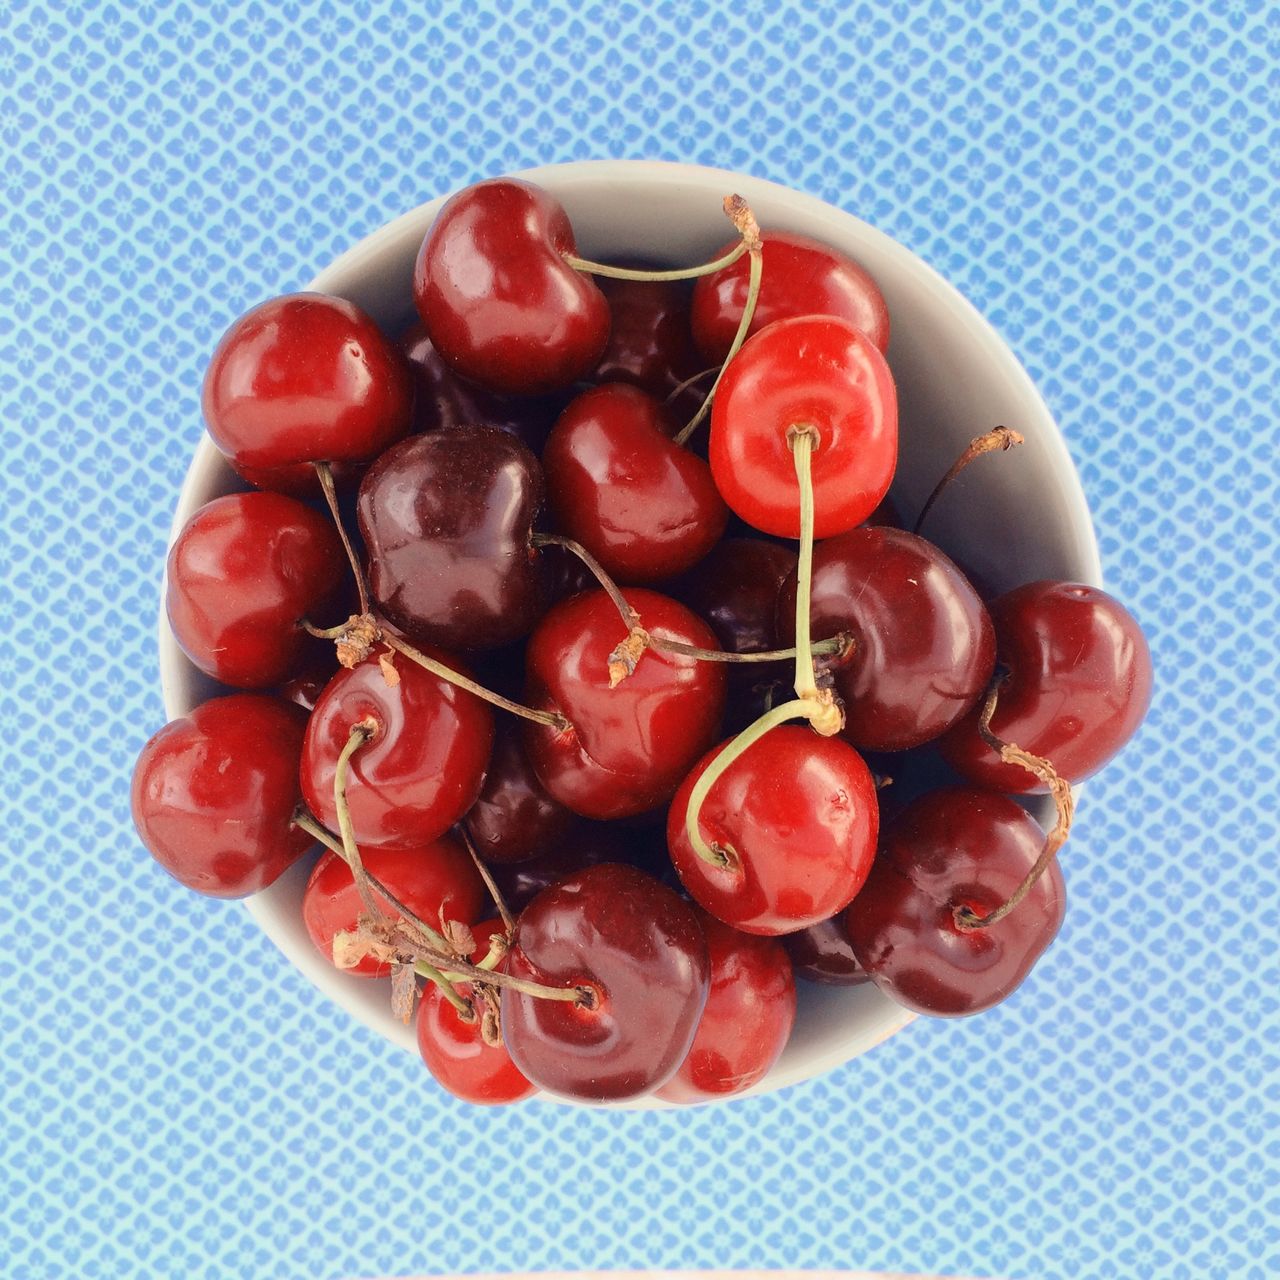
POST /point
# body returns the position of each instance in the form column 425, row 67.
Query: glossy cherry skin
column 801, row 277
column 751, row 1008
column 646, row 508
column 628, row 746
column 650, row 344
column 798, row 814
column 585, row 844
column 242, row 575
column 1079, row 685
column 421, row 770
column 436, row 882
column 443, row 400
column 640, row 949
column 514, row 818
column 453, row 1049
column 823, row 953
column 214, row 794
column 814, row 371
column 447, row 517
column 924, row 648
column 499, row 301
column 955, row 847
column 306, row 378
column 299, row 479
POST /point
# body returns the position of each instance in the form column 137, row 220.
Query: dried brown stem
column 1000, row 439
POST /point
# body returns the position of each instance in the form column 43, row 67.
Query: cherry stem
column 629, row 616
column 1001, row 438
column 676, row 273
column 496, row 978
column 802, row 439
column 739, row 213
column 552, row 719
column 324, row 473
column 361, row 732
column 447, row 989
column 1064, row 802
column 717, row 855
column 688, row 382
column 508, row 920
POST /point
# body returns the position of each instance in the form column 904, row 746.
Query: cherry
column 455, row 1052
column 585, row 844
column 817, row 372
column 638, row 952
column 298, row 479
column 443, row 400
column 643, row 506
column 306, row 378
column 309, row 683
column 923, row 649
column 801, row 277
column 243, row 574
column 823, row 953
column 751, row 1008
column 422, row 768
column 447, row 518
column 1079, row 685
column 954, row 848
column 215, row 792
column 501, row 304
column 650, row 344
column 794, row 819
column 628, row 746
column 514, row 818
column 436, row 882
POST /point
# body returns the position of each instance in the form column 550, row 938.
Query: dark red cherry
column 444, row 400
column 1079, row 685
column 501, row 304
column 924, row 648
column 801, row 277
column 436, row 882
column 751, row 1008
column 650, row 344
column 585, row 844
column 215, row 792
column 797, row 815
column 643, row 506
column 818, row 372
column 447, row 519
column 735, row 588
column 629, row 746
column 958, row 847
column 639, row 950
column 242, row 575
column 309, row 683
column 823, row 953
column 306, row 378
column 514, row 818
column 453, row 1048
column 422, row 768
column 299, row 479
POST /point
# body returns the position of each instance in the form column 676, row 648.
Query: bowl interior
column 1022, row 518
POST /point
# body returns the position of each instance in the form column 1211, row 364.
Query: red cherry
column 750, row 1011
column 639, row 950
column 643, row 506
column 453, row 1049
column 436, row 882
column 812, row 371
column 924, row 648
column 447, row 518
column 823, row 953
column 306, row 378
column 650, row 344
column 299, row 479
column 630, row 745
column 422, row 768
column 243, row 574
column 443, row 400
column 797, row 813
column 585, row 844
column 500, row 302
column 514, row 818
column 801, row 277
column 215, row 793
column 1079, row 685
column 955, row 847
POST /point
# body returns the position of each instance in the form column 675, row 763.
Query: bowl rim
column 592, row 173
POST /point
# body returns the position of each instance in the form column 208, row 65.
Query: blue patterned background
column 1100, row 180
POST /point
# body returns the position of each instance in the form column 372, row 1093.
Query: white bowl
column 955, row 377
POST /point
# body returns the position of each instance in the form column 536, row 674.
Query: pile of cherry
column 590, row 774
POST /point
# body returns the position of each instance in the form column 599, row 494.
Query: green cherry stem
column 677, row 273
column 504, row 911
column 324, row 473
column 802, row 439
column 361, row 732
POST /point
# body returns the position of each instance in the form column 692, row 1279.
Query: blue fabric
column 1100, row 180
